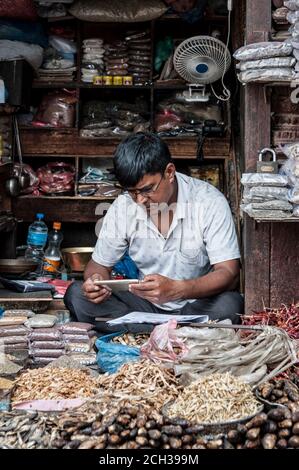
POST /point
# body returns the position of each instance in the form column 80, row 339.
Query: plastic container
column 36, row 239
column 52, row 259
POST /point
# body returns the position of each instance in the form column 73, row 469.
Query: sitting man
column 180, row 233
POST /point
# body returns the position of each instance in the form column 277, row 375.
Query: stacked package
column 13, row 335
column 59, row 60
column 45, row 340
column 116, row 59
column 114, row 118
column 265, row 196
column 139, row 50
column 93, row 59
column 79, row 339
column 266, row 61
column 291, row 170
column 293, row 19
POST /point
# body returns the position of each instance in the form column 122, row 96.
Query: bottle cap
column 57, row 225
column 39, row 215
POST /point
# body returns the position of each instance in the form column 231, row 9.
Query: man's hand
column 157, row 289
column 95, row 293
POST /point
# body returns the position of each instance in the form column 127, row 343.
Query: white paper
column 156, row 318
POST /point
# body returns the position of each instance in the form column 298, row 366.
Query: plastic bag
column 45, row 334
column 268, row 63
column 56, row 177
column 53, row 353
column 265, row 75
column 292, row 4
column 18, row 9
column 41, row 321
column 291, row 169
column 62, row 44
column 293, row 16
column 56, row 110
column 264, row 179
column 75, row 328
column 32, row 33
column 112, row 356
column 294, row 194
column 121, row 11
column 161, row 344
column 264, row 193
column 263, row 50
column 126, row 267
column 265, row 214
column 291, row 150
column 47, row 345
column 10, row 50
column 13, row 331
column 296, row 210
column 269, row 205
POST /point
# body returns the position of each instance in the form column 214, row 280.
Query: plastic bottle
column 36, row 239
column 52, row 259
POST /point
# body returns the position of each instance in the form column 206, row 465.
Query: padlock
column 267, row 167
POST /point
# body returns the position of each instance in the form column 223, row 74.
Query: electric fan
column 202, row 60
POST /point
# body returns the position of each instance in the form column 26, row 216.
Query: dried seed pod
column 100, row 445
column 153, row 443
column 257, row 421
column 113, row 439
column 269, row 441
column 123, row 420
column 172, row 430
column 166, row 446
column 164, row 438
column 198, row 446
column 187, row 439
column 125, row 434
column 86, row 431
column 133, row 433
column 89, row 444
column 154, row 434
column 193, row 429
column 286, row 423
column 252, row 444
column 234, row 436
column 109, row 420
column 293, row 442
column 253, row 434
column 266, row 390
column 115, row 428
column 141, row 440
column 282, row 401
column 241, row 428
column 132, row 445
column 151, row 424
column 295, row 416
column 284, row 433
column 295, row 428
column 131, row 410
column 217, row 444
column 278, row 393
column 133, row 424
column 141, row 421
column 269, row 427
column 281, row 444
column 175, row 443
column 102, row 439
column 142, row 432
column 277, row 414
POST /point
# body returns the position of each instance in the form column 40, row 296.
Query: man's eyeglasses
column 146, row 191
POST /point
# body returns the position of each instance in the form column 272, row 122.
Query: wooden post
column 256, row 128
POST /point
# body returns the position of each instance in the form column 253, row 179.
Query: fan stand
column 196, row 93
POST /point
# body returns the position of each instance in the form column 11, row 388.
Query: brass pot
column 76, row 258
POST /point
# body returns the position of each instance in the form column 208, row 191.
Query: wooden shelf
column 49, row 84
column 270, row 221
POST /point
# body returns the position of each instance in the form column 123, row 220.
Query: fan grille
column 201, row 53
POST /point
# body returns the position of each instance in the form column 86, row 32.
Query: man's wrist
column 179, row 290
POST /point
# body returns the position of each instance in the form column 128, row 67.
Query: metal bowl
column 76, row 258
column 17, row 266
column 209, row 429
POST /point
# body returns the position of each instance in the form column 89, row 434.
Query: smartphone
column 116, row 285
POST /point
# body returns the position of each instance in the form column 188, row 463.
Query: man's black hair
column 140, row 154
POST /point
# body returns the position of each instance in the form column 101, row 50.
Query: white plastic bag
column 263, row 50
column 296, row 210
column 62, row 44
column 21, row 50
column 264, row 179
column 266, row 75
column 294, row 194
column 264, row 193
column 292, row 4
column 267, row 63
